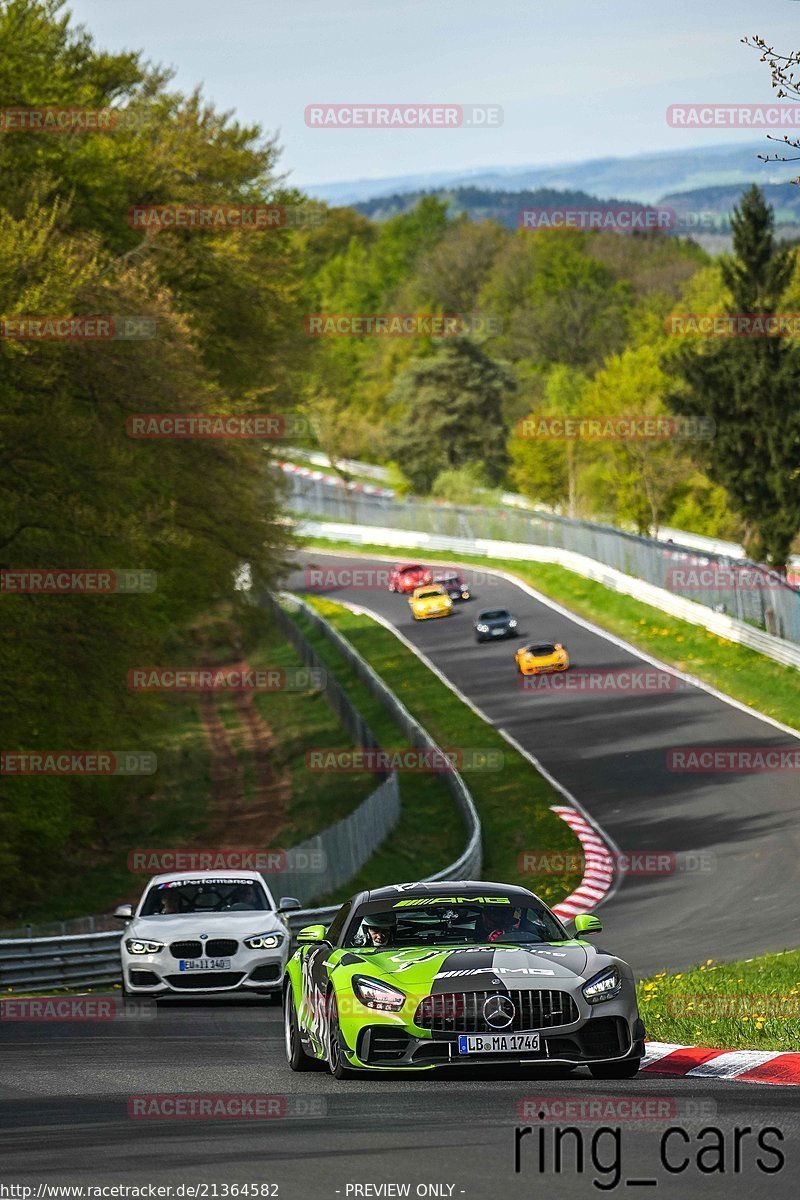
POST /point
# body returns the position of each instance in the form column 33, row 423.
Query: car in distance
column 430, row 601
column 405, row 578
column 539, row 658
column 454, row 584
column 423, row 975
column 494, row 623
column 197, row 932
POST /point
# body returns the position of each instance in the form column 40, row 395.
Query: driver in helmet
column 498, row 921
column 380, row 929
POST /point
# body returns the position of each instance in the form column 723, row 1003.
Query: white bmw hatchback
column 195, row 933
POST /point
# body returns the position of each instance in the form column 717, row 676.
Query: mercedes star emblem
column 498, row 1011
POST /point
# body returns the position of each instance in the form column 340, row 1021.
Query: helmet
column 380, row 920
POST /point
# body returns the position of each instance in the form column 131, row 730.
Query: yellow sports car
column 429, row 601
column 538, row 657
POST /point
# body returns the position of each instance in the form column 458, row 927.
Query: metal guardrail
column 772, row 604
column 92, row 959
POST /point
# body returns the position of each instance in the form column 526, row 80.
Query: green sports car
column 423, row 975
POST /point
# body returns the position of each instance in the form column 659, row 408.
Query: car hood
column 479, row 968
column 191, row 925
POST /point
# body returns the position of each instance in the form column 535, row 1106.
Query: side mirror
column 311, row 934
column 124, row 912
column 586, row 923
column 288, row 904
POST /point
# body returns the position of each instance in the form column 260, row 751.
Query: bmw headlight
column 136, row 946
column 482, row 628
column 375, row 994
column 512, row 624
column 264, row 941
column 602, row 986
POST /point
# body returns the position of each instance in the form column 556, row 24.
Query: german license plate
column 204, row 964
column 498, row 1043
column 498, row 632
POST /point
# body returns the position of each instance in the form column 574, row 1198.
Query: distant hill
column 643, row 177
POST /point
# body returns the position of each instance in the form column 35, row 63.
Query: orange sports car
column 539, row 657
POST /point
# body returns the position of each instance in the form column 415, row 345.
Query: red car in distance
column 404, row 578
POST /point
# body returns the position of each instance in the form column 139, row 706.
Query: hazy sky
column 576, row 79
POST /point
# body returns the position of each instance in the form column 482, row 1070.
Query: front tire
column 618, row 1070
column 296, row 1056
column 337, row 1064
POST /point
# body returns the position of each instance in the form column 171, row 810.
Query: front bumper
column 493, row 636
column 545, row 669
column 160, row 974
column 604, row 1040
column 431, row 613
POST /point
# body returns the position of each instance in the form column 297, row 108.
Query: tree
column 449, row 413
column 548, row 471
column 750, row 388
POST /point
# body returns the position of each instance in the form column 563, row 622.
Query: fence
column 771, row 604
column 88, row 959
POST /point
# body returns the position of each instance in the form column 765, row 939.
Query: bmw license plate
column 498, row 1043
column 204, row 964
column 498, row 632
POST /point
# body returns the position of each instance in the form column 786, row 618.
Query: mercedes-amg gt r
column 423, row 975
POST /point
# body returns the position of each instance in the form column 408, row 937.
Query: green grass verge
column 744, row 674
column 513, row 803
column 740, row 1005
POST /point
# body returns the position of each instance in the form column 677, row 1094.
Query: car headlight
column 482, row 628
column 512, row 624
column 375, row 994
column 465, row 595
column 602, row 986
column 137, row 946
column 264, row 941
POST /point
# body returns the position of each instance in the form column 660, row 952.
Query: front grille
column 186, row 949
column 205, row 981
column 462, row 1012
column 604, row 1036
column 221, row 947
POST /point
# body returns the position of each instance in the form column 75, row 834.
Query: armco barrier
column 774, row 606
column 90, row 960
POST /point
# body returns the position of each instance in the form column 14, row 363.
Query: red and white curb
column 598, row 872
column 745, row 1066
column 369, row 489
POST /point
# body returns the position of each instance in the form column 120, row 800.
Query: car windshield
column 429, row 594
column 494, row 614
column 447, row 579
column 541, row 649
column 407, row 570
column 205, row 896
column 454, row 921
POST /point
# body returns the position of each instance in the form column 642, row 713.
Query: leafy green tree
column 449, row 408
column 749, row 387
column 548, row 471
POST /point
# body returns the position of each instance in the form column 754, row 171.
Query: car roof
column 498, row 609
column 447, row 887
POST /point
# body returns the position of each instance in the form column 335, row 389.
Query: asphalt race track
column 72, row 1093
column 609, row 751
column 66, row 1091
